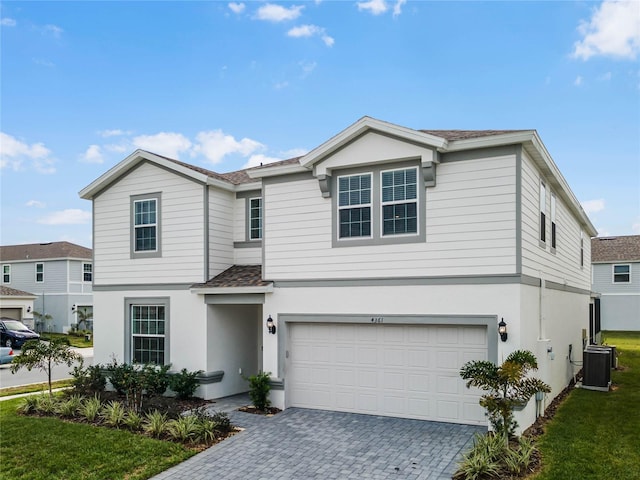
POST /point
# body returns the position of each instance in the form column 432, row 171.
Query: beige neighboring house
column 17, row 304
column 616, row 278
column 59, row 274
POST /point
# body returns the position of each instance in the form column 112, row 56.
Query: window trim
column 6, row 266
column 146, row 253
column 383, row 204
column 613, row 273
column 542, row 216
column 41, row 272
column 84, row 272
column 376, row 201
column 250, row 219
column 554, row 228
column 129, row 302
column 349, row 207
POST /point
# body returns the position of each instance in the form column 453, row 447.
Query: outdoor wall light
column 270, row 325
column 73, row 308
column 29, row 309
column 502, row 330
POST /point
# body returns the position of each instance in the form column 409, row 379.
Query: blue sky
column 226, row 85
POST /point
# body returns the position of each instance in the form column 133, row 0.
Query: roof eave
column 276, row 171
column 490, row 141
column 231, row 290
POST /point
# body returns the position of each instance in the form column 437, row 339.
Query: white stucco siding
column 470, row 229
column 182, row 230
column 187, row 335
column 563, row 265
column 221, row 217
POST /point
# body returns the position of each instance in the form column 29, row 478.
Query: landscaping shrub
column 69, row 407
column 184, row 429
column 184, row 383
column 89, row 380
column 134, row 421
column 156, row 423
column 134, row 382
column 113, row 414
column 260, row 387
column 90, row 408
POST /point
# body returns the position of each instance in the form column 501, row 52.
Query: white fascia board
column 18, row 297
column 246, row 187
column 231, row 290
column 363, row 125
column 490, row 141
column 216, row 182
column 48, row 259
column 111, row 175
column 276, row 171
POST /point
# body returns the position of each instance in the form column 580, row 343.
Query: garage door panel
column 398, row 370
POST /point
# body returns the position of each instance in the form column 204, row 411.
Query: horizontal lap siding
column 182, row 230
column 470, row 229
column 563, row 265
column 603, row 278
column 221, row 204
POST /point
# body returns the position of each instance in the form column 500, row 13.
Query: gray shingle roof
column 467, row 134
column 236, row 276
column 615, row 249
column 43, row 251
column 12, row 292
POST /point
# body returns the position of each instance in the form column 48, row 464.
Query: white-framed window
column 354, row 206
column 399, row 200
column 148, row 333
column 581, row 249
column 145, row 226
column 622, row 273
column 87, row 272
column 543, row 215
column 554, row 232
column 255, row 218
column 39, row 272
column 6, row 273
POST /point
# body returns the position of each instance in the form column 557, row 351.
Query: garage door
column 14, row 313
column 409, row 371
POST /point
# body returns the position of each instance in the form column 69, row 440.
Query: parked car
column 6, row 355
column 13, row 333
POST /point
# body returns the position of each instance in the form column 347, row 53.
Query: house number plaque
column 377, row 319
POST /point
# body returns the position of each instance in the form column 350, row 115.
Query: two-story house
column 58, row 274
column 362, row 275
column 616, row 278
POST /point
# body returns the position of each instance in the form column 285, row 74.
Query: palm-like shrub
column 114, row 413
column 507, row 386
column 156, row 423
column 90, row 408
column 184, row 429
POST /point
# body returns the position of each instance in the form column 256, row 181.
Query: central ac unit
column 596, row 369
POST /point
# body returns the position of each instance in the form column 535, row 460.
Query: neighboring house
column 616, row 277
column 59, row 275
column 17, row 304
column 384, row 258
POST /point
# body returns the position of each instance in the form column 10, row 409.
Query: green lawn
column 74, row 341
column 43, row 448
column 596, row 435
column 34, row 387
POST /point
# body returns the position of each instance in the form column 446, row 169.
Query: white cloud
column 215, row 145
column 578, row 81
column 168, row 144
column 278, row 13
column 294, row 152
column 53, row 30
column 605, row 77
column 117, row 148
column 92, row 155
column 397, row 8
column 376, row 7
column 114, row 133
column 259, row 159
column 44, row 166
column 311, row 31
column 612, row 31
column 593, row 206
column 8, row 22
column 236, row 7
column 35, row 203
column 71, row 216
column 13, row 152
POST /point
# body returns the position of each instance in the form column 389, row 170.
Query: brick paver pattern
column 300, row 444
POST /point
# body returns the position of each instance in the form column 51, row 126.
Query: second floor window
column 399, row 201
column 145, row 225
column 255, row 214
column 543, row 217
column 553, row 221
column 621, row 273
column 6, row 274
column 354, row 206
column 39, row 272
column 87, row 272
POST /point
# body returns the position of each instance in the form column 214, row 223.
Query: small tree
column 43, row 320
column 507, row 386
column 44, row 356
column 260, row 387
column 84, row 314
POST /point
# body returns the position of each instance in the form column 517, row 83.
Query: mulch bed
column 269, row 411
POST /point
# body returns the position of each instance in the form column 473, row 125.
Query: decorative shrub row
column 196, row 427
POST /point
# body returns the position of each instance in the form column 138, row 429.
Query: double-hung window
column 553, row 222
column 622, row 273
column 543, row 218
column 148, row 333
column 399, row 194
column 354, row 206
column 39, row 272
column 87, row 272
column 6, row 273
column 255, row 218
column 145, row 225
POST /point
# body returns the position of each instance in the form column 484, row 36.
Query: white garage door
column 409, row 371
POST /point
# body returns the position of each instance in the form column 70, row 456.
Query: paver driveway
column 315, row 444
